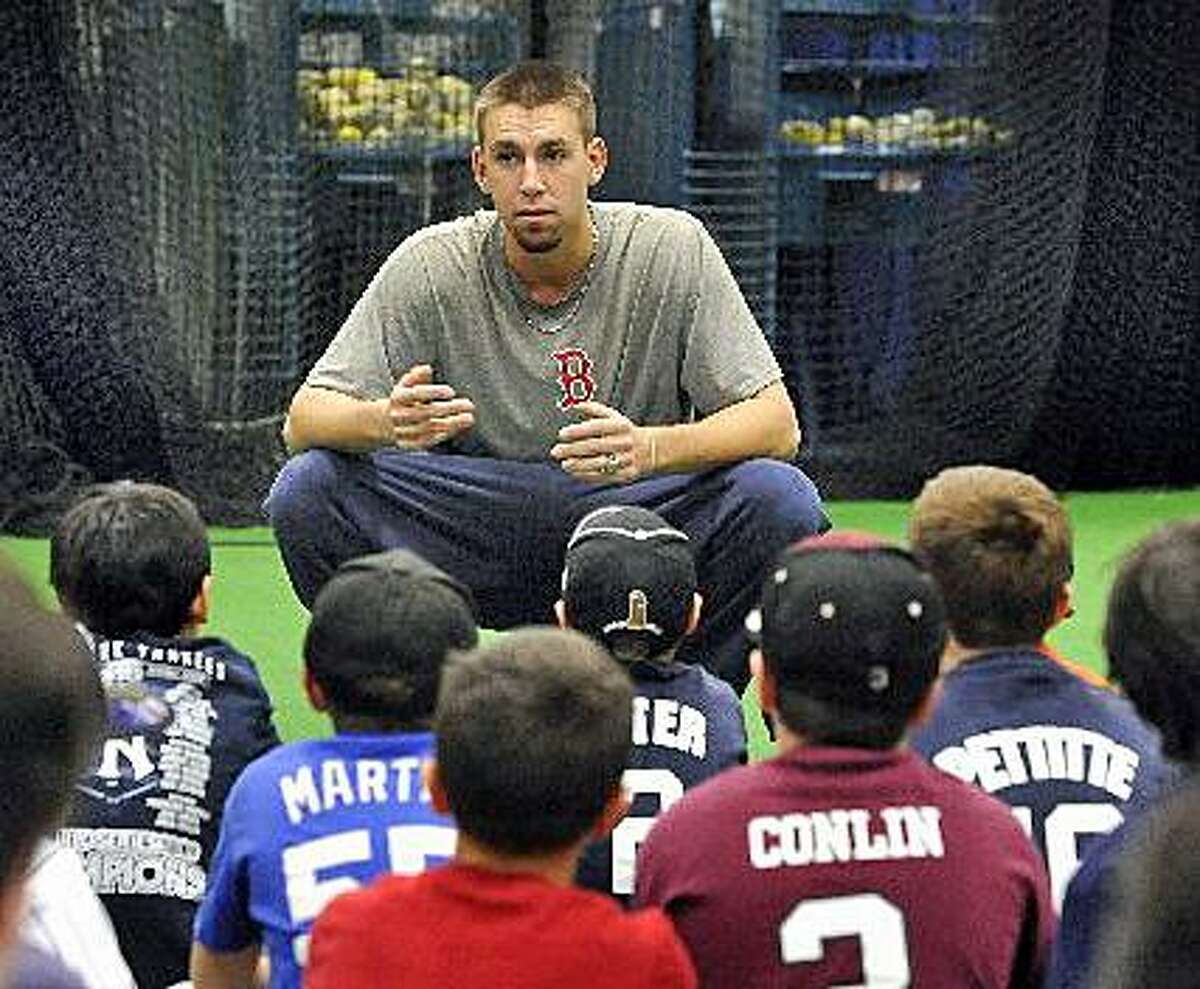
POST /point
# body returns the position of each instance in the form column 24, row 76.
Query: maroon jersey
column 846, row 867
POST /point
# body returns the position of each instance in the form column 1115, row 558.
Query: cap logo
column 638, row 618
column 639, row 609
column 878, row 679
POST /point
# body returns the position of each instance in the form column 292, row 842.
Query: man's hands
column 605, row 448
column 423, row 414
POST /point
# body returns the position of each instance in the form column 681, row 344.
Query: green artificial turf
column 253, row 606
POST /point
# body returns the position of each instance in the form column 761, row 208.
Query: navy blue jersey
column 1095, row 891
column 307, row 822
column 1086, row 907
column 687, row 727
column 1072, row 759
column 146, row 815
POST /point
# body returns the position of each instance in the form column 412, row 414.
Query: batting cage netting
column 969, row 227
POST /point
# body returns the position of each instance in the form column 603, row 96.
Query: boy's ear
column 694, row 615
column 1064, row 603
column 768, row 691
column 12, row 913
column 314, row 692
column 432, row 779
column 199, row 608
column 613, row 813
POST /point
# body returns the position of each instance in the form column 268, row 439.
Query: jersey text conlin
column 850, row 835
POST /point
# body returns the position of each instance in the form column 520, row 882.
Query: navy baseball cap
column 385, row 616
column 629, row 571
column 849, row 619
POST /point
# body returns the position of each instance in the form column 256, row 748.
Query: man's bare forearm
column 762, row 426
column 326, row 418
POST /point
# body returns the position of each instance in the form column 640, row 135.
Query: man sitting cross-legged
column 315, row 818
column 630, row 583
column 532, row 737
column 847, row 859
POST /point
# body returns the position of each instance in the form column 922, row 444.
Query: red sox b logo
column 574, row 377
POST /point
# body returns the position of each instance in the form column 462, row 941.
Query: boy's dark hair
column 825, row 723
column 538, row 83
column 51, row 715
column 998, row 542
column 381, row 630
column 1153, row 925
column 533, row 732
column 1152, row 634
column 130, row 557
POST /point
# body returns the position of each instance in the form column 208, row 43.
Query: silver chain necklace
column 580, row 289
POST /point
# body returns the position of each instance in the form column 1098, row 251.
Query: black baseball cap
column 387, row 617
column 629, row 572
column 849, row 619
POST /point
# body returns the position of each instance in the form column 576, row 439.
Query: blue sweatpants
column 501, row 527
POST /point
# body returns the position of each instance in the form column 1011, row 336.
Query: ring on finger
column 612, row 464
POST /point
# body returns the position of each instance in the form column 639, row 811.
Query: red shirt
column 467, row 927
column 846, row 867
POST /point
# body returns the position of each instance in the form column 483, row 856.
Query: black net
column 932, row 196
column 645, row 94
column 969, row 226
column 194, row 194
column 1123, row 404
column 387, row 119
column 937, row 212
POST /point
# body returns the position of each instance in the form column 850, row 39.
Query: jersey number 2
column 632, row 831
column 878, row 925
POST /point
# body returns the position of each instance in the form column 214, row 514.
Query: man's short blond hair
column 999, row 544
column 537, row 83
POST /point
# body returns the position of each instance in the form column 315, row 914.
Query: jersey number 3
column 878, row 925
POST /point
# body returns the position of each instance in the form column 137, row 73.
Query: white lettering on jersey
column 995, row 760
column 853, row 835
column 138, row 861
column 132, row 750
column 337, row 783
column 667, row 723
column 118, row 651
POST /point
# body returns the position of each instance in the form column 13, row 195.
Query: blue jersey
column 185, row 717
column 308, row 822
column 1072, row 759
column 1094, row 892
column 687, row 726
column 1085, row 909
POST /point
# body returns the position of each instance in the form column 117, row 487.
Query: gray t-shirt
column 659, row 331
